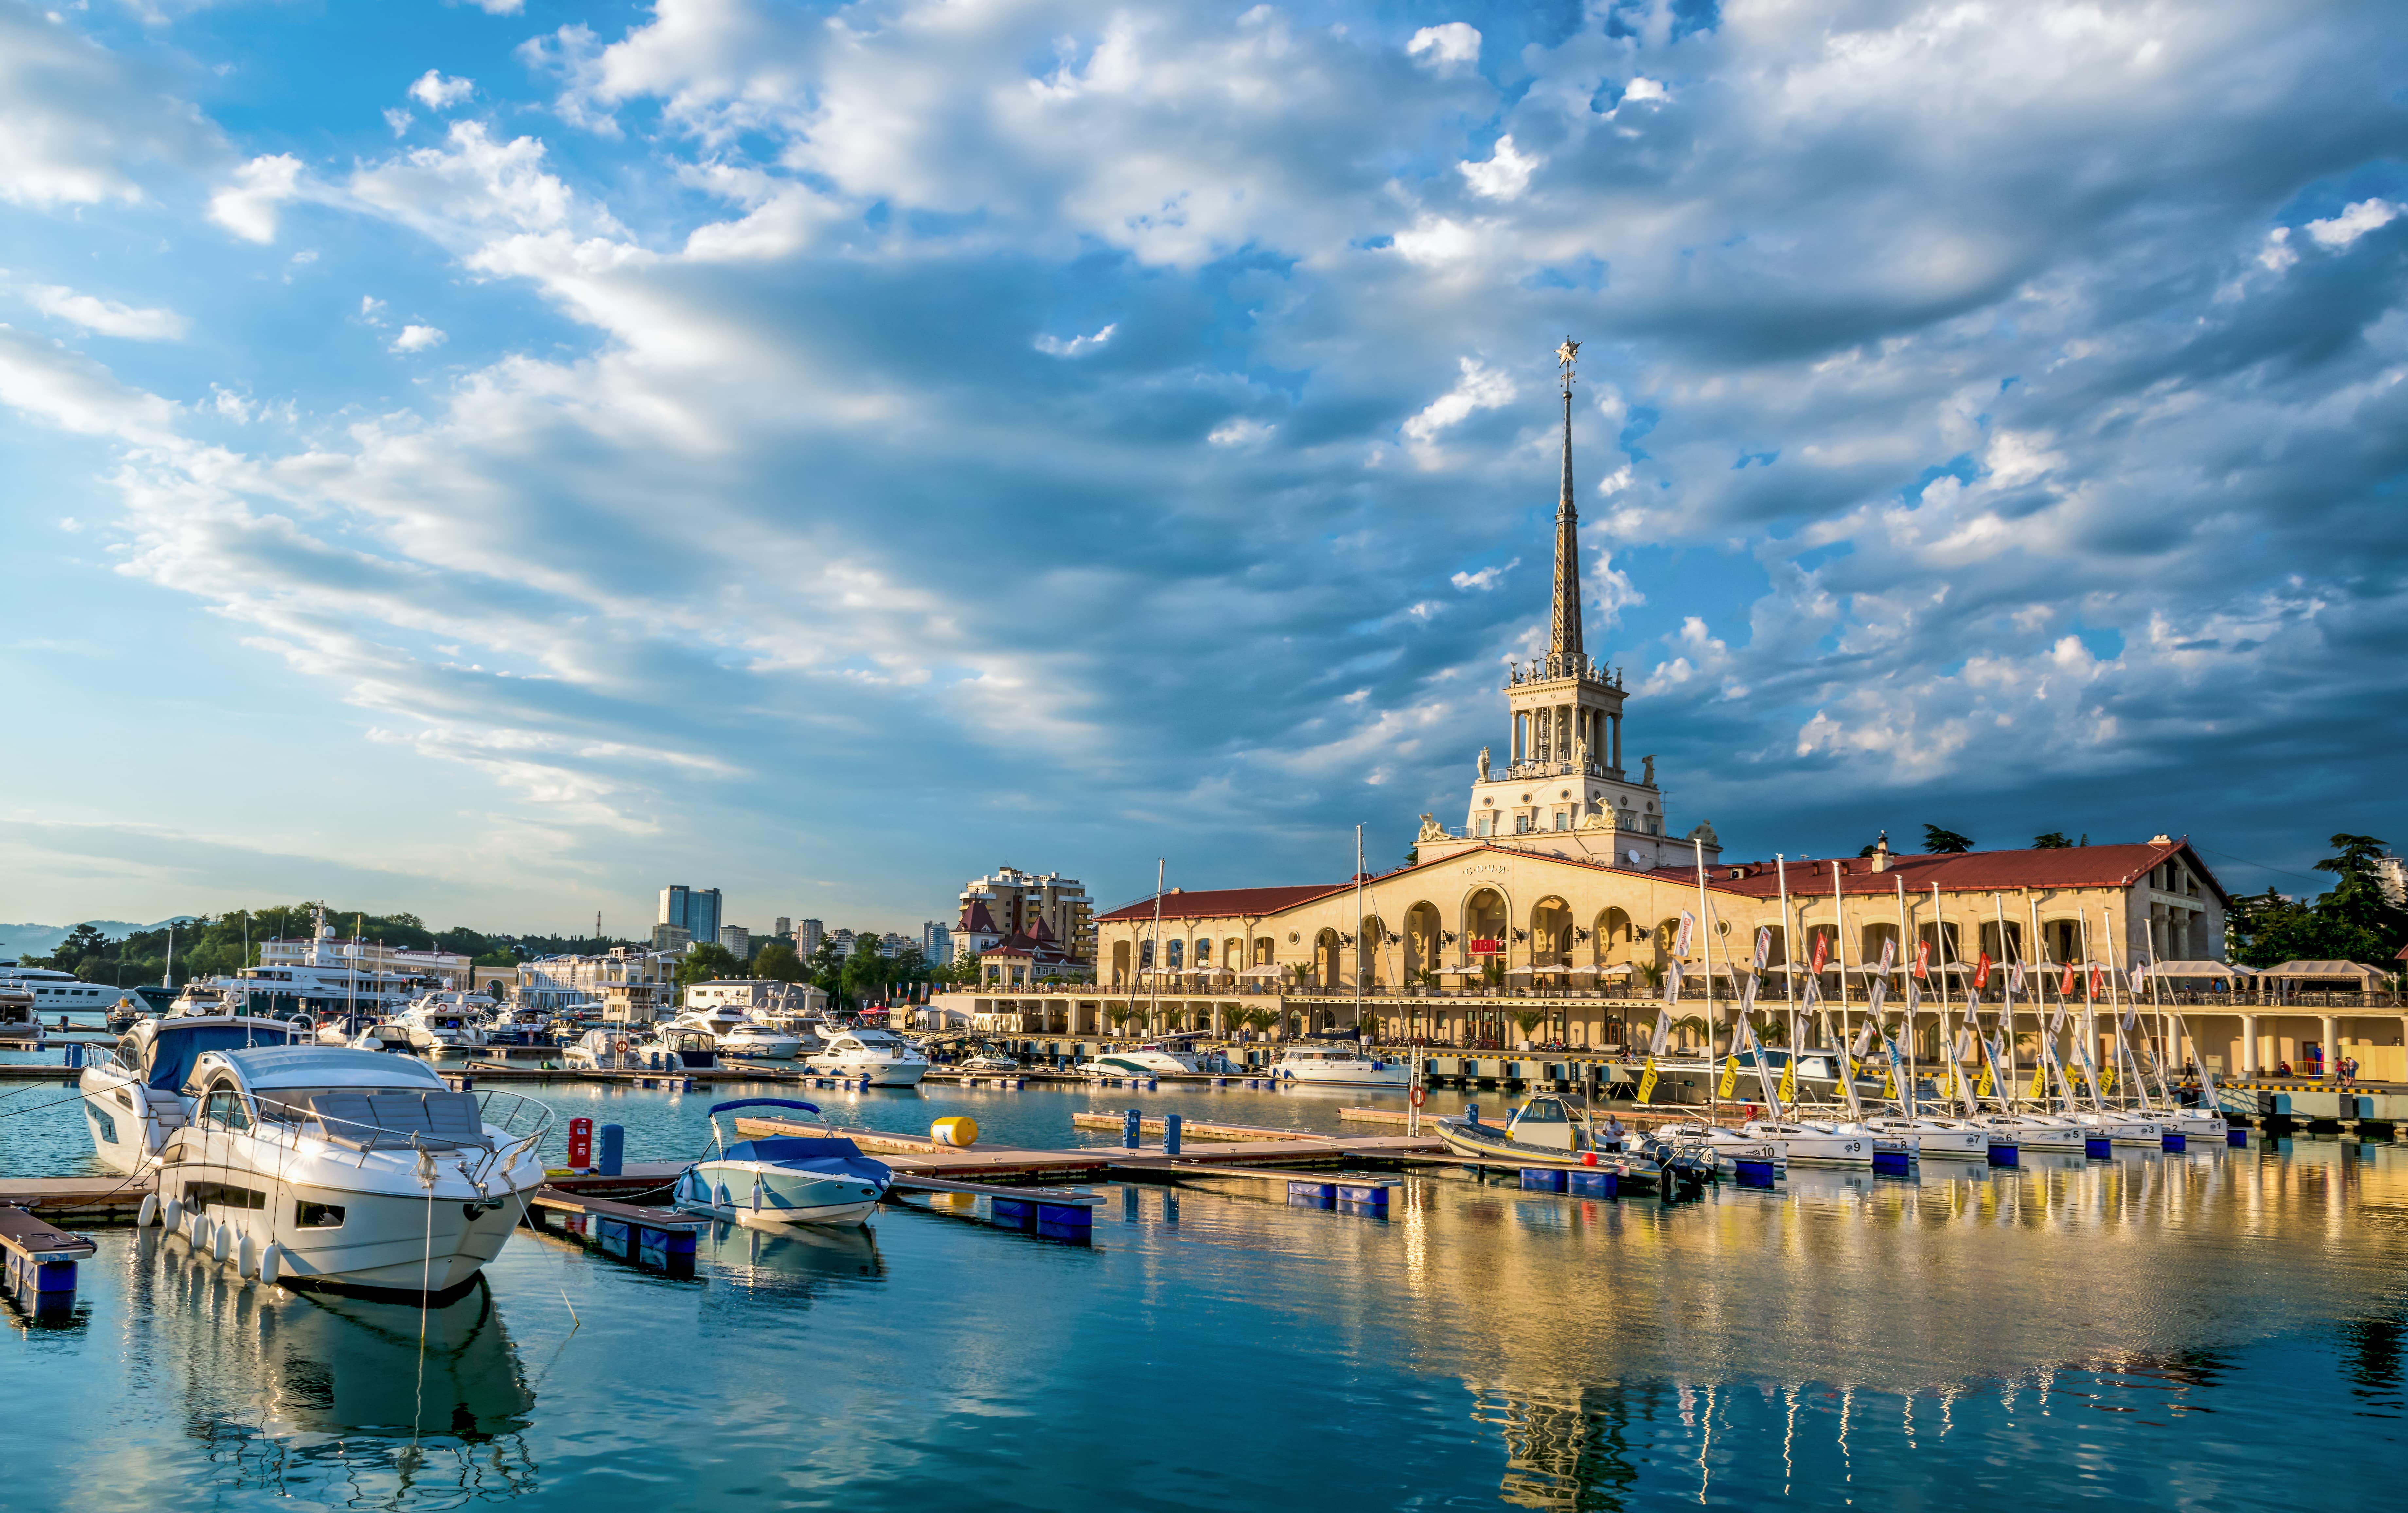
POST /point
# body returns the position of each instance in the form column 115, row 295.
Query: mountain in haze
column 17, row 941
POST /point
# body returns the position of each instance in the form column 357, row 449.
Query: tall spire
column 1564, row 641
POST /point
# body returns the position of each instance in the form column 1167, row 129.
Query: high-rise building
column 694, row 910
column 784, row 929
column 738, row 941
column 936, row 941
column 891, row 945
column 1007, row 902
column 808, row 936
column 671, row 938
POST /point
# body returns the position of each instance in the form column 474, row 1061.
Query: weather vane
column 1568, row 354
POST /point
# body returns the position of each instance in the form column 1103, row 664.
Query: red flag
column 1982, row 971
column 1922, row 958
column 2066, row 988
column 2094, row 982
column 1822, row 951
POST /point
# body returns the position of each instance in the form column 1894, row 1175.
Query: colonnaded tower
column 1562, row 788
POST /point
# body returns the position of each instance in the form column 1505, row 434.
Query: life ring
column 620, row 1046
column 1421, row 1096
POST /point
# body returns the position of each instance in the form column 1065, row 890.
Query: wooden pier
column 909, row 1154
column 663, row 1239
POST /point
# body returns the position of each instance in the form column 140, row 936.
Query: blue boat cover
column 829, row 1157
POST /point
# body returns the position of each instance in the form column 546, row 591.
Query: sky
column 496, row 459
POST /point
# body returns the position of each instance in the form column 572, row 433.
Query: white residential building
column 758, row 996
column 738, row 939
column 452, row 969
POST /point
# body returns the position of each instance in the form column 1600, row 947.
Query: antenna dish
column 1633, row 854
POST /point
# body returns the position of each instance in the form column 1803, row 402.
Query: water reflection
column 281, row 1388
column 752, row 1268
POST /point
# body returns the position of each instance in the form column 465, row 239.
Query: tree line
column 850, row 979
column 209, row 945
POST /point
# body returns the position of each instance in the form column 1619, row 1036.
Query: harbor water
column 2221, row 1328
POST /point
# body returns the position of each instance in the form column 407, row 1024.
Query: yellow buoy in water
column 959, row 1130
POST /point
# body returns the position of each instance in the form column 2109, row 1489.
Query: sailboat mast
column 1362, row 946
column 1154, row 978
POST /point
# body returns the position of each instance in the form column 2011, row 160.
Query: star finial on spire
column 1567, row 355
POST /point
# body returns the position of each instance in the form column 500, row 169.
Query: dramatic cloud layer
column 847, row 442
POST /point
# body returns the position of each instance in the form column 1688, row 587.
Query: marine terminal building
column 1559, row 901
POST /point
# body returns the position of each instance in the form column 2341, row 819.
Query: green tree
column 2354, row 922
column 2052, row 840
column 1939, row 841
column 777, row 963
column 709, row 962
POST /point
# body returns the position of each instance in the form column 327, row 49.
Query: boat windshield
column 176, row 1047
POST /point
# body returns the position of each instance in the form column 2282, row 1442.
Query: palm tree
column 1257, row 1020
column 1119, row 1014
column 1695, row 1023
column 1529, row 1019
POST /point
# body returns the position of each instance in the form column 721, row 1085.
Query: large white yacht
column 887, row 1060
column 323, row 984
column 322, row 1166
column 1157, row 1058
column 736, row 1033
column 58, row 993
column 21, row 1028
column 453, row 1020
column 1339, row 1064
column 133, row 1096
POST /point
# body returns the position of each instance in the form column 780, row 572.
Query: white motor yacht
column 449, row 1020
column 1157, row 1058
column 1343, row 1064
column 734, row 1031
column 393, row 1034
column 325, row 1166
column 21, row 1022
column 887, row 1060
column 54, row 992
column 133, row 1096
column 610, row 1048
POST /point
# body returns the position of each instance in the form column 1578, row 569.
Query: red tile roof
column 1226, row 902
column 1965, row 872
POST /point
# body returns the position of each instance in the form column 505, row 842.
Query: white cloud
column 2356, row 220
column 248, row 207
column 417, row 340
column 107, row 317
column 437, row 93
column 1447, row 48
column 501, row 7
column 1480, row 388
column 1485, row 579
column 1644, row 89
column 1075, row 346
column 1241, row 431
column 1504, row 176
column 372, row 309
column 79, row 127
column 78, row 395
column 2279, row 255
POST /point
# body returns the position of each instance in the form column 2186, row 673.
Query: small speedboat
column 1556, row 1130
column 989, row 1062
column 784, row 1179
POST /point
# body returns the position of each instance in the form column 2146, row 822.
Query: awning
column 2197, row 969
column 2328, row 972
column 1264, row 971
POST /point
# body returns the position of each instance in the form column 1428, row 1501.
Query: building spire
column 1564, row 639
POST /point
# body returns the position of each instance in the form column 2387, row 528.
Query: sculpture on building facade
column 1649, row 779
column 1484, row 764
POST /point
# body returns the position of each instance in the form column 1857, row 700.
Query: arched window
column 1177, row 952
column 1368, row 947
column 1484, row 923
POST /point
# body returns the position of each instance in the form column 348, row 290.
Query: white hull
column 881, row 1072
column 1811, row 1147
column 766, row 1196
column 773, row 1048
column 1392, row 1079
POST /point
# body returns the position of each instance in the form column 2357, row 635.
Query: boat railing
column 524, row 1123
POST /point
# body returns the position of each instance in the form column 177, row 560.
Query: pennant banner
column 1923, row 958
column 1788, row 1093
column 1688, row 928
column 1822, row 953
column 1730, row 1077
column 1763, row 945
column 1982, row 972
column 1889, row 955
column 1647, row 1081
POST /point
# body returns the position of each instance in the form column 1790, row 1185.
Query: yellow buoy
column 959, row 1130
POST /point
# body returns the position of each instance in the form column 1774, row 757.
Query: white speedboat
column 1341, row 1064
column 887, row 1060
column 21, row 1022
column 777, row 1180
column 450, row 1022
column 1812, row 1143
column 393, row 1034
column 325, row 1166
column 1157, row 1058
column 133, row 1096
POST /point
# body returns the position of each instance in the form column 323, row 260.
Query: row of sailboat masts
column 1996, row 1054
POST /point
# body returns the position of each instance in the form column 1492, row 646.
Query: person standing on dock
column 1613, row 1133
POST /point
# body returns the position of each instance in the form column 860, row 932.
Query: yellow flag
column 2107, row 1079
column 1647, row 1081
column 1981, row 1090
column 1730, row 1076
column 1790, row 1081
column 1889, row 1083
column 2040, row 1078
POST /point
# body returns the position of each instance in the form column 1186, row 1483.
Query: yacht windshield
column 175, row 1049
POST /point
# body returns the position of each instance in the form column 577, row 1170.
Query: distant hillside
column 21, row 940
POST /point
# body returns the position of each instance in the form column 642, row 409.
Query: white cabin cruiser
column 1341, row 1066
column 393, row 1034
column 735, row 1033
column 610, row 1048
column 133, row 1096
column 21, row 1022
column 55, row 992
column 449, row 1020
column 887, row 1060
column 1157, row 1058
column 325, row 1166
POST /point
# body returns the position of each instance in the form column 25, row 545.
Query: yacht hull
column 880, row 1073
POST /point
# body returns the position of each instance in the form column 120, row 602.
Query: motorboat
column 1340, row 1065
column 734, row 1031
column 989, row 1061
column 393, row 1034
column 329, row 1166
column 21, row 1022
column 671, row 1049
column 450, row 1025
column 886, row 1059
column 133, row 1094
column 775, row 1181
column 606, row 1049
column 1725, row 1142
column 1558, row 1129
column 1157, row 1058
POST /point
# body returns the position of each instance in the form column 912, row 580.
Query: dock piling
column 1170, row 1135
column 614, row 1150
column 1129, row 1130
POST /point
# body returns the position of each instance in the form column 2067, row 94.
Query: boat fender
column 246, row 1257
column 219, row 1242
column 196, row 1233
column 958, row 1131
column 173, row 1217
column 149, row 1213
column 271, row 1264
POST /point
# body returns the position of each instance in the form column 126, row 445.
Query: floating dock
column 662, row 1239
column 38, row 1260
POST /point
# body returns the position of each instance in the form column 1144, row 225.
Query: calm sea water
column 2221, row 1329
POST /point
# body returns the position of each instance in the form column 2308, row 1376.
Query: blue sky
column 493, row 459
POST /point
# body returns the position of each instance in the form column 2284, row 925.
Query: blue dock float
column 1312, row 1195
column 2173, row 1140
column 1597, row 1184
column 39, row 1260
column 2098, row 1147
column 1755, row 1172
column 1544, row 1179
column 661, row 1238
column 1892, row 1159
column 2004, row 1155
column 2236, row 1135
column 1364, row 1197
